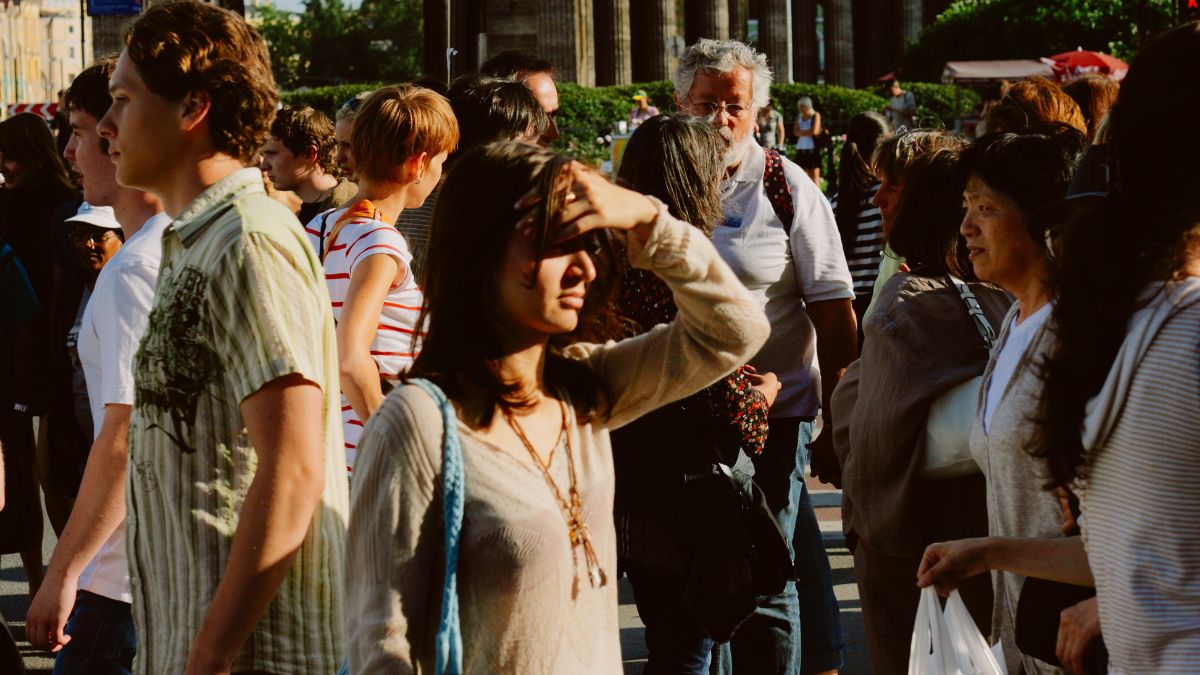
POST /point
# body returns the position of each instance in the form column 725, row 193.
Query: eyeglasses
column 710, row 109
column 350, row 106
column 96, row 238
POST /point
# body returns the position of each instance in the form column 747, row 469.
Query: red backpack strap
column 778, row 190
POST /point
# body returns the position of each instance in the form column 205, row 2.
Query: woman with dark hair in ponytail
column 1117, row 417
column 858, row 219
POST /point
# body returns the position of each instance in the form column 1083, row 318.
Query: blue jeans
column 102, row 638
column 770, row 641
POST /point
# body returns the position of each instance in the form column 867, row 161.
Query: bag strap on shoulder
column 778, row 190
column 449, row 635
column 321, row 238
column 981, row 321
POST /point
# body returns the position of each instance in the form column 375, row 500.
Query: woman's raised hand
column 593, row 202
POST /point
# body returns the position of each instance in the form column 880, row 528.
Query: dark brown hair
column 926, row 232
column 1140, row 238
column 184, row 46
column 302, row 127
column 1094, row 94
column 678, row 159
column 472, row 225
column 1033, row 101
column 24, row 137
column 855, row 176
column 1032, row 166
column 89, row 90
column 494, row 110
column 394, row 124
column 513, row 64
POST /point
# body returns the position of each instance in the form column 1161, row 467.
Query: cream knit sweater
column 516, row 568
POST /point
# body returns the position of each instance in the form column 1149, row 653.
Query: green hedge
column 837, row 105
column 326, row 99
column 587, row 114
column 935, row 103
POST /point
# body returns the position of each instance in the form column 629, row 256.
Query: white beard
column 736, row 150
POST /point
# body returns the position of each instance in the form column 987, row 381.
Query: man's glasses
column 96, row 238
column 350, row 106
column 710, row 109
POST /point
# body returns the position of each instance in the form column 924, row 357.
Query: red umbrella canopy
column 1070, row 65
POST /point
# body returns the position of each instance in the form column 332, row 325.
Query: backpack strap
column 778, row 190
column 321, row 239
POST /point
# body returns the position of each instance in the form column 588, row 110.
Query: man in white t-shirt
column 88, row 577
column 798, row 272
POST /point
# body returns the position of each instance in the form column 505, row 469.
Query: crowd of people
column 407, row 391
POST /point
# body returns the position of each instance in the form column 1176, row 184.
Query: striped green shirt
column 241, row 301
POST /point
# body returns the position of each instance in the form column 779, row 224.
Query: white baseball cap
column 98, row 216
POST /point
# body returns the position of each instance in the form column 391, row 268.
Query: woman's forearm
column 361, row 385
column 1055, row 559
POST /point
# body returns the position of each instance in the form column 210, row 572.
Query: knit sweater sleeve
column 718, row 328
column 394, row 552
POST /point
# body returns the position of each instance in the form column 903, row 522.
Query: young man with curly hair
column 237, row 499
column 300, row 157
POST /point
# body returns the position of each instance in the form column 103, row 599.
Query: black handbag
column 1038, row 611
column 683, row 508
column 739, row 553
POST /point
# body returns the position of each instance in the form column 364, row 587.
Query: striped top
column 865, row 243
column 365, row 232
column 1141, row 504
column 239, row 304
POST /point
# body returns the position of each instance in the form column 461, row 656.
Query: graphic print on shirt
column 177, row 359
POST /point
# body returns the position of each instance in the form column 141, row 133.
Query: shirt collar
column 754, row 163
column 213, row 201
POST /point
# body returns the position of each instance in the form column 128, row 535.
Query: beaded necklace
column 572, row 508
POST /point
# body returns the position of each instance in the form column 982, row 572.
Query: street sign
column 113, row 7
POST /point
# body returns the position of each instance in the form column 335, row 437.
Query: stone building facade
column 603, row 42
column 41, row 49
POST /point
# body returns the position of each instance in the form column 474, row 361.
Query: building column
column 565, row 39
column 806, row 62
column 706, row 19
column 613, row 54
column 737, row 20
column 653, row 26
column 436, row 15
column 911, row 20
column 775, row 37
column 839, row 43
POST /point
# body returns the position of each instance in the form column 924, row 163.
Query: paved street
column 14, row 600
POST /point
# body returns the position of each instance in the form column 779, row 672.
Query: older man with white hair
column 780, row 237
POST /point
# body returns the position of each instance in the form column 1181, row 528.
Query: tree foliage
column 1028, row 29
column 331, row 42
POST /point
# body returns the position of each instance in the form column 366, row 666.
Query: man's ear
column 310, row 155
column 196, row 106
column 678, row 103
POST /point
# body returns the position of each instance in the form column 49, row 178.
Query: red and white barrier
column 46, row 110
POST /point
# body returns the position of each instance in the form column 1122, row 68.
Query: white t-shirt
column 112, row 327
column 784, row 272
column 1015, row 343
column 363, row 235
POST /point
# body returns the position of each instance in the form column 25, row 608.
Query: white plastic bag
column 949, row 643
